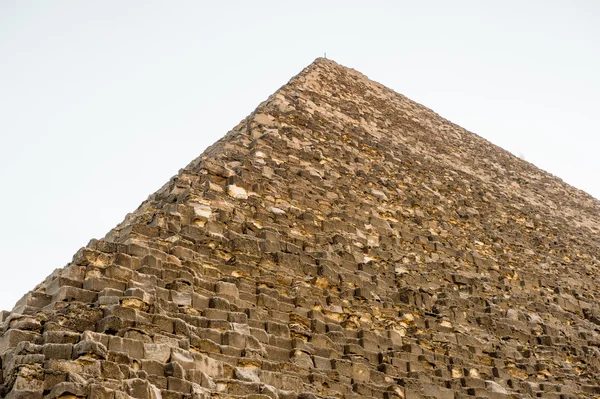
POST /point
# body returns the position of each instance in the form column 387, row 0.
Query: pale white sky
column 101, row 102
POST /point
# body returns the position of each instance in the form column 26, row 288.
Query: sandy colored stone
column 342, row 241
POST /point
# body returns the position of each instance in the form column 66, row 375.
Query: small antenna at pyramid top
column 324, row 55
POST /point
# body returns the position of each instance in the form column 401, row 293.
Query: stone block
column 58, row 351
column 12, row 337
column 219, row 303
column 237, row 317
column 119, row 273
column 99, row 283
column 267, row 301
column 24, row 394
column 174, row 369
column 212, row 367
column 157, row 352
column 53, row 378
column 215, row 314
column 68, row 390
column 277, row 354
column 200, row 302
column 133, row 348
column 180, row 298
column 33, row 299
column 234, row 339
column 227, row 290
column 112, row 370
column 142, row 294
column 97, row 391
column 277, row 329
column 302, row 359
column 242, row 388
column 322, row 363
column 60, row 337
column 90, row 348
column 435, row 391
column 247, row 374
column 184, row 358
column 260, row 334
column 164, row 323
column 344, row 367
column 4, row 315
column 73, row 294
column 200, row 378
column 138, row 388
column 318, row 326
column 360, row 372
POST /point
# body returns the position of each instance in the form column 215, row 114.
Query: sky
column 101, row 102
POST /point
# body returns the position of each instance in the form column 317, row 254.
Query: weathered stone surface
column 343, row 242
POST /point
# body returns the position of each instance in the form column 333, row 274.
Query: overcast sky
column 101, row 102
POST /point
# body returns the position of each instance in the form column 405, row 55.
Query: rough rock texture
column 342, row 241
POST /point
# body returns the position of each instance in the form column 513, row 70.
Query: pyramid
column 342, row 241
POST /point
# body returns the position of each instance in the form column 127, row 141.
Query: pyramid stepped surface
column 342, row 241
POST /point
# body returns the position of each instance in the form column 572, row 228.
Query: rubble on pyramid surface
column 342, row 241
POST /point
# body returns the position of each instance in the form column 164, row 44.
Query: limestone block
column 344, row 367
column 153, row 367
column 302, row 359
column 13, row 336
column 200, row 302
column 24, row 394
column 267, row 301
column 4, row 315
column 213, row 335
column 214, row 314
column 110, row 300
column 68, row 390
column 227, row 290
column 97, row 391
column 52, row 378
column 268, row 246
column 204, row 345
column 90, row 348
column 277, row 329
column 322, row 363
column 237, row 192
column 219, row 303
column 157, row 352
column 272, row 392
column 433, row 390
column 23, row 322
column 360, row 372
column 277, row 354
column 238, row 318
column 33, row 299
column 238, row 387
column 58, row 351
column 69, row 294
column 235, row 339
column 232, row 352
column 260, row 334
column 212, row 367
column 184, row 358
column 181, row 298
column 248, row 374
column 133, row 348
column 318, row 326
column 137, row 250
column 115, row 370
column 164, row 323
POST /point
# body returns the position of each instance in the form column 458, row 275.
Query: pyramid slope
column 341, row 241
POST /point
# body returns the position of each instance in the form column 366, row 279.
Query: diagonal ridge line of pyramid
column 342, row 241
